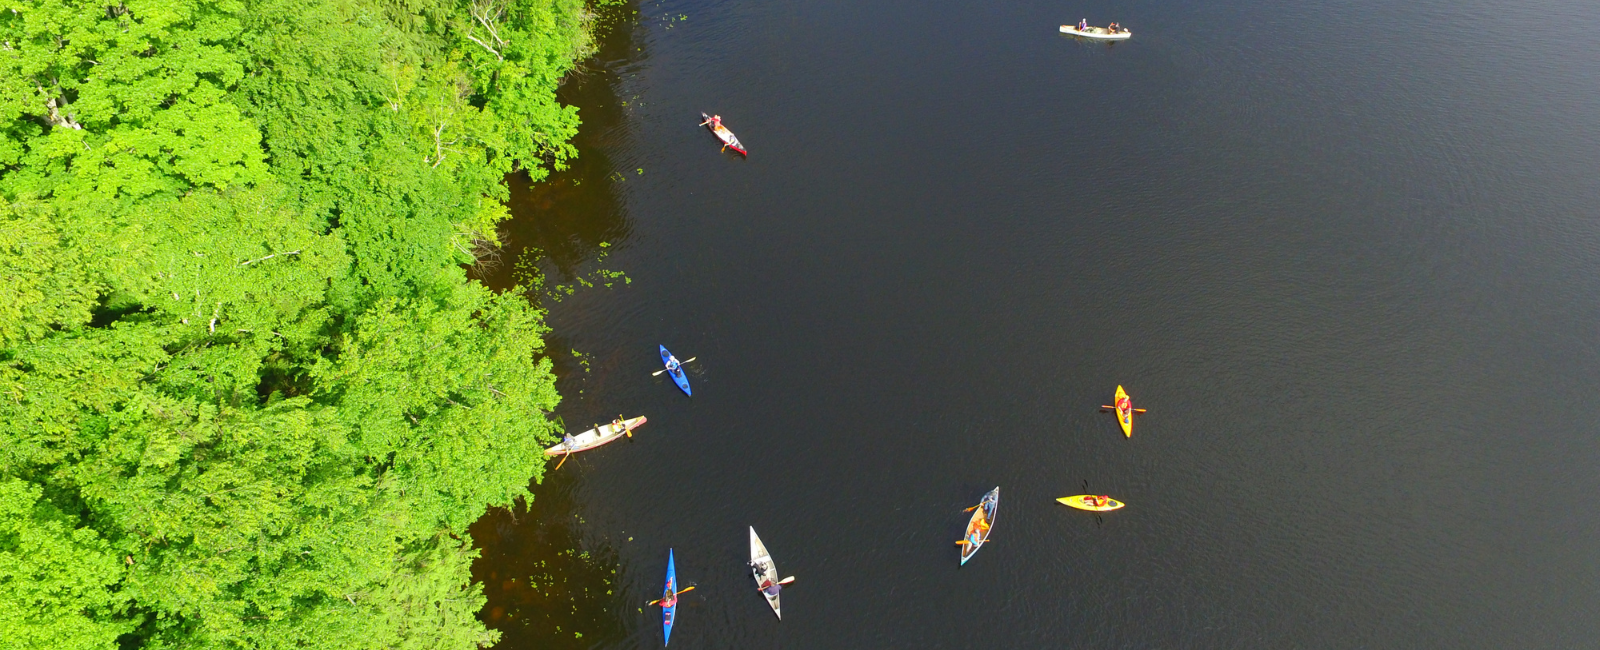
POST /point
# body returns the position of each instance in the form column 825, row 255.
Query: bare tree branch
column 486, row 47
column 55, row 117
column 249, row 262
column 488, row 13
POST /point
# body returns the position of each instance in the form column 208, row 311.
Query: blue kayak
column 678, row 377
column 669, row 593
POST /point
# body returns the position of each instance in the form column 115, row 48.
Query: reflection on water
column 547, row 587
column 560, row 223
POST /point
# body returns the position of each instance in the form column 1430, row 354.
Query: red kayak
column 729, row 140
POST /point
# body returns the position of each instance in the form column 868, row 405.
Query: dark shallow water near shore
column 1354, row 277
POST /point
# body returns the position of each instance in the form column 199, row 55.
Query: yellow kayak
column 1086, row 502
column 1124, row 407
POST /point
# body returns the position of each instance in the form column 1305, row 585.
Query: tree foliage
column 248, row 396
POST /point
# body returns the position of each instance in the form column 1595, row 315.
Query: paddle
column 625, row 428
column 986, row 540
column 680, row 364
column 564, row 459
column 1104, row 407
column 674, row 595
column 781, row 582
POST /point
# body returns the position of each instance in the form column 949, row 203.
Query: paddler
column 767, row 585
column 1083, row 24
column 716, row 125
column 670, row 599
column 568, row 440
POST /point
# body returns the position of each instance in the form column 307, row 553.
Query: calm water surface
column 1347, row 254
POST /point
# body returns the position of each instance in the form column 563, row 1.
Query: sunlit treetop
column 249, row 398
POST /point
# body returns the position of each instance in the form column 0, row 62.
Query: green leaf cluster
column 248, row 395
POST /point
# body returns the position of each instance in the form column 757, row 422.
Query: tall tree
column 250, row 398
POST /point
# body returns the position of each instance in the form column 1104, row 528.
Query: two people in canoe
column 768, row 586
column 729, row 141
column 1114, row 28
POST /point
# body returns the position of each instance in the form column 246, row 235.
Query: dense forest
column 249, row 396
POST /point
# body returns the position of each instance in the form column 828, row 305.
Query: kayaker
column 670, row 600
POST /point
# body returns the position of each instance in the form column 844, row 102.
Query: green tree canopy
column 250, row 398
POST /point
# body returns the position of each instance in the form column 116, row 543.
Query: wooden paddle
column 674, row 595
column 781, row 582
column 680, row 364
column 569, row 452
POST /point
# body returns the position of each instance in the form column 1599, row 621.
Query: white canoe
column 1097, row 32
column 595, row 437
column 764, row 570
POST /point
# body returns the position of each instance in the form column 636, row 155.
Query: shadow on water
column 560, row 224
column 546, row 587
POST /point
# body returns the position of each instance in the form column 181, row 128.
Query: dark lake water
column 1347, row 254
